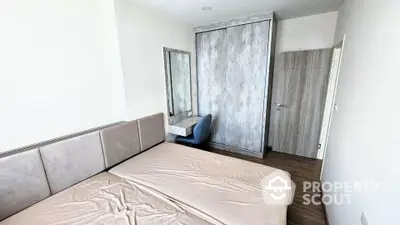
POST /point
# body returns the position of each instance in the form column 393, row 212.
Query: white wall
column 142, row 35
column 305, row 33
column 364, row 144
column 60, row 69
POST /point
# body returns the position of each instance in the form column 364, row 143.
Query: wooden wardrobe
column 234, row 75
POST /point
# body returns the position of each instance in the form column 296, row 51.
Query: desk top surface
column 188, row 122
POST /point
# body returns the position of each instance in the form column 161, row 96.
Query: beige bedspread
column 224, row 188
column 104, row 199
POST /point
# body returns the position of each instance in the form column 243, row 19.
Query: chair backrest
column 202, row 129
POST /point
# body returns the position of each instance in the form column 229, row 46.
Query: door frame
column 332, row 107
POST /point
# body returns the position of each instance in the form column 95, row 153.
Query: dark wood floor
column 301, row 169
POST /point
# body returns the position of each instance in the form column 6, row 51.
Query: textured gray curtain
column 232, row 72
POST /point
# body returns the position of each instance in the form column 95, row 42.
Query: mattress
column 104, row 199
column 223, row 188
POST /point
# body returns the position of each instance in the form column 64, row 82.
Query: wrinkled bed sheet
column 105, row 199
column 225, row 189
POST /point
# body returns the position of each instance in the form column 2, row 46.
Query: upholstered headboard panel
column 151, row 131
column 22, row 182
column 71, row 161
column 29, row 176
column 120, row 142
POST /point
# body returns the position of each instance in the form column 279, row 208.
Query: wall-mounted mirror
column 178, row 81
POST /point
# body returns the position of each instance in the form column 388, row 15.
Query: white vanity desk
column 185, row 127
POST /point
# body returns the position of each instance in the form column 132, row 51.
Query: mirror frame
column 168, row 85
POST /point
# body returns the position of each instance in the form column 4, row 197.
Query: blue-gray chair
column 201, row 132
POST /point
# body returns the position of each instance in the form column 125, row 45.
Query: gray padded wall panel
column 22, row 182
column 151, row 131
column 120, row 142
column 71, row 161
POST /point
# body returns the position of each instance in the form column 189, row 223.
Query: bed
column 127, row 174
column 228, row 189
column 105, row 199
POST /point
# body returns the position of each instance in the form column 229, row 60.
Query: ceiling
column 190, row 11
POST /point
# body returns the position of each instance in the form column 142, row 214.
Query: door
column 232, row 79
column 299, row 93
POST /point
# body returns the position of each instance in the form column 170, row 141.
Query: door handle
column 279, row 106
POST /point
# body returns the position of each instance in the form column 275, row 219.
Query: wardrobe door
column 232, row 78
column 246, row 86
column 211, row 78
